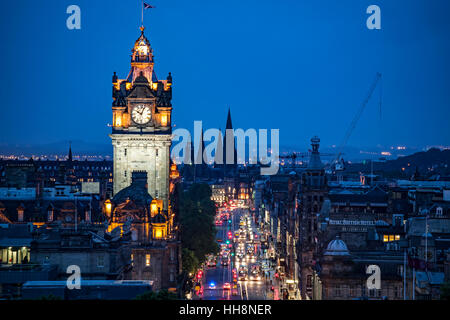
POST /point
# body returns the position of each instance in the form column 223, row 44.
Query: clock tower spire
column 141, row 130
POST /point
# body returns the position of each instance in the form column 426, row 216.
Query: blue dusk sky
column 301, row 66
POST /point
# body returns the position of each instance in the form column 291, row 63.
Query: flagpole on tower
column 142, row 13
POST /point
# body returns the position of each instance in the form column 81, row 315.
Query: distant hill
column 428, row 163
column 60, row 148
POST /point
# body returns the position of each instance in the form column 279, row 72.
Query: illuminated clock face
column 141, row 114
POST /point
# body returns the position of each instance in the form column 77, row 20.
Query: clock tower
column 141, row 124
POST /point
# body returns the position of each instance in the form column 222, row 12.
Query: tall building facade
column 141, row 124
column 144, row 204
column 313, row 193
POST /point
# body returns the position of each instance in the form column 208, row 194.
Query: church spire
column 70, row 152
column 229, row 168
column 229, row 124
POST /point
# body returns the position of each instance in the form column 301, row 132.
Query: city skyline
column 232, row 65
column 292, row 151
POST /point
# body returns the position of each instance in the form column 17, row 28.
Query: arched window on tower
column 134, row 235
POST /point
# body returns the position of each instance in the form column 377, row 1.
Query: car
column 212, row 285
column 226, row 286
column 255, row 276
column 211, row 263
column 242, row 276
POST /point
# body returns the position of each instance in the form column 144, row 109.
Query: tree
column 198, row 231
column 445, row 291
column 190, row 262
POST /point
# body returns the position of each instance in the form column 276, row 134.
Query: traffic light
column 229, row 221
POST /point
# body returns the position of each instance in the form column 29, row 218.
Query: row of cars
column 246, row 251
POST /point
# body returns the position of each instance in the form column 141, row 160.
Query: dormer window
column 20, row 213
column 50, row 215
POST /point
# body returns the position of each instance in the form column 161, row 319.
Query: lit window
column 158, row 233
column 164, row 120
column 385, row 238
column 147, row 260
column 397, row 237
column 391, row 237
column 118, row 121
column 154, row 207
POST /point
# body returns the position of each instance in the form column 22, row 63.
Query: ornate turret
column 314, row 175
column 315, row 163
column 142, row 60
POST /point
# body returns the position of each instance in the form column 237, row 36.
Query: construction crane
column 356, row 118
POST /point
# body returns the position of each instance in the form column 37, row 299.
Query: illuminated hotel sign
column 352, row 222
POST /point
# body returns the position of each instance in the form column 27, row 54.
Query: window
column 125, row 152
column 156, row 152
column 396, row 292
column 100, row 261
column 125, row 173
column 337, row 291
column 50, row 215
column 400, row 270
column 391, row 237
column 147, row 260
column 132, row 257
column 164, row 120
column 134, row 235
column 352, row 291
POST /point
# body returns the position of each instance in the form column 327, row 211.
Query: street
column 237, row 272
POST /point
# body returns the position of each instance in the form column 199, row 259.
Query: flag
column 147, row 6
